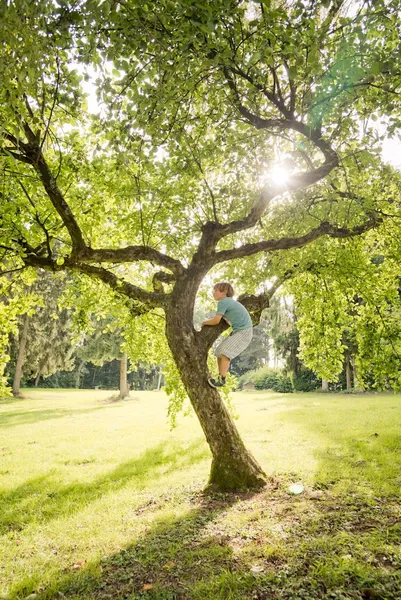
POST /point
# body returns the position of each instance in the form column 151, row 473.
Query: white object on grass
column 257, row 569
column 296, row 488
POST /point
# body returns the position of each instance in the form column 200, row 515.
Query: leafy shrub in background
column 267, row 378
column 283, row 384
column 306, row 381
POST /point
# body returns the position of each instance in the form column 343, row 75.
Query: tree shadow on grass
column 36, row 415
column 41, row 499
column 195, row 557
column 158, row 566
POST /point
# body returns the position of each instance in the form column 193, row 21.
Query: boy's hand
column 215, row 321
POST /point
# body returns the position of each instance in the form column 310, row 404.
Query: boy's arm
column 215, row 321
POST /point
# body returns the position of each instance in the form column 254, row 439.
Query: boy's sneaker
column 216, row 383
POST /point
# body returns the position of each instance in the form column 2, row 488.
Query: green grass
column 102, row 500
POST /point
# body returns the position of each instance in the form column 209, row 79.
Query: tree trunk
column 124, row 391
column 142, row 378
column 355, row 373
column 21, row 355
column 325, row 385
column 37, row 380
column 294, row 361
column 159, row 379
column 233, row 466
column 348, row 372
column 78, row 375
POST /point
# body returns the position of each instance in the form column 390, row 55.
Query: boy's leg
column 224, row 365
column 233, row 345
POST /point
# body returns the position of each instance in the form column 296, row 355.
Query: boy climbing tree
column 236, row 315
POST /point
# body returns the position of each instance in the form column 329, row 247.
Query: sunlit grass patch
column 102, row 500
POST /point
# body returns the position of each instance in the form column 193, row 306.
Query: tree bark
column 124, row 391
column 348, row 372
column 233, row 466
column 325, row 385
column 160, row 377
column 21, row 355
column 37, row 379
column 78, row 375
column 355, row 374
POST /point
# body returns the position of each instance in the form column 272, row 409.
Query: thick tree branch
column 40, row 165
column 10, row 152
column 288, row 122
column 285, row 243
column 32, row 153
column 147, row 300
column 130, row 254
column 296, row 182
column 161, row 277
column 212, row 232
column 256, row 121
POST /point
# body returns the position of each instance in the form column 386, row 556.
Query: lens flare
column 279, row 175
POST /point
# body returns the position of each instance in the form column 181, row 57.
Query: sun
column 279, row 175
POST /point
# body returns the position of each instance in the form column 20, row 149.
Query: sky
column 392, row 152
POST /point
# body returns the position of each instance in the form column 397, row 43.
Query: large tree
column 175, row 177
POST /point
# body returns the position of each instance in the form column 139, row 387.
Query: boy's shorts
column 235, row 343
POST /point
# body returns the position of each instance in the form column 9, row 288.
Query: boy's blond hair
column 226, row 287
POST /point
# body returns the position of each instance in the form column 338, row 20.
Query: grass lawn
column 101, row 500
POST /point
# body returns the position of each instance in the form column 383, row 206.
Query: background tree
column 204, row 103
column 20, row 354
column 106, row 376
column 17, row 302
column 43, row 344
column 350, row 305
column 285, row 337
column 104, row 344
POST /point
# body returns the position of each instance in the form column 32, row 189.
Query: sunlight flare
column 279, row 174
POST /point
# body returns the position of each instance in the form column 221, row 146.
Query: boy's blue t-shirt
column 235, row 313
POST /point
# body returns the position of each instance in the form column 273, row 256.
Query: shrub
column 283, row 384
column 306, row 381
column 267, row 378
